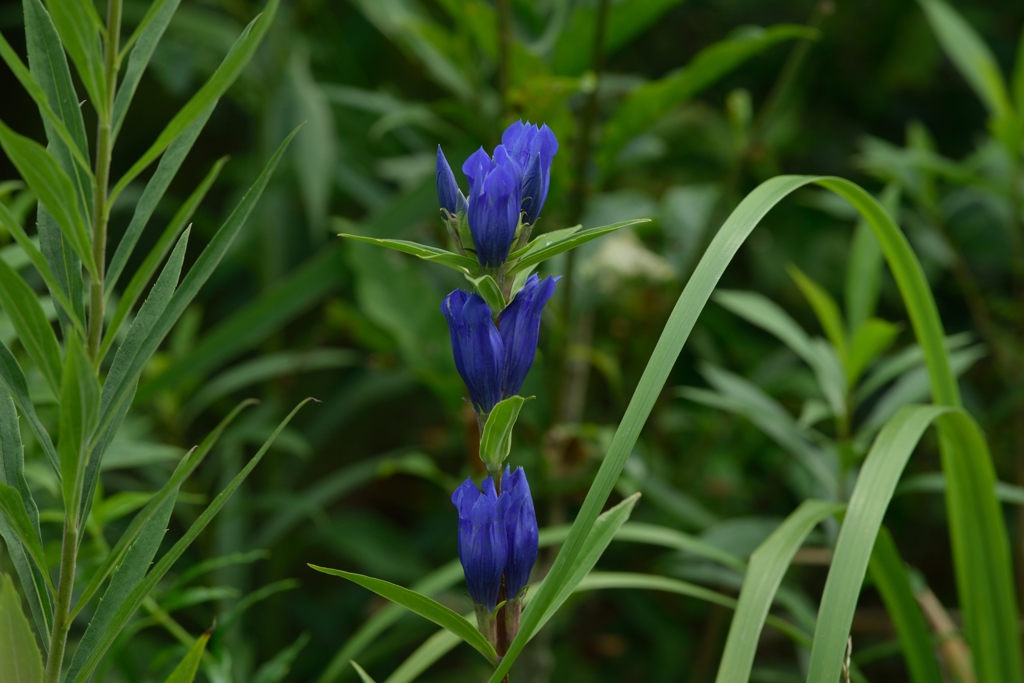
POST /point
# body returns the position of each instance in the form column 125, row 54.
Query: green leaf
column 18, row 649
column 17, row 516
column 38, row 96
column 544, row 247
column 463, row 264
column 86, row 659
column 79, row 27
column 651, row 101
column 280, row 664
column 235, row 61
column 970, row 55
column 490, row 291
column 365, row 677
column 13, row 379
column 989, row 565
column 79, row 407
column 186, row 670
column 864, row 265
column 53, row 187
column 496, row 440
column 889, row 575
column 124, row 384
column 423, row 606
column 169, row 164
column 29, row 320
column 872, row 339
column 768, row 564
column 157, row 254
column 142, row 43
column 826, row 310
column 38, row 260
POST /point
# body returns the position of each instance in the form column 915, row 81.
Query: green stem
column 61, row 619
column 101, row 207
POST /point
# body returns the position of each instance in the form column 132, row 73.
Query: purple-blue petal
column 520, row 328
column 483, row 543
column 447, row 188
column 521, row 532
column 476, row 346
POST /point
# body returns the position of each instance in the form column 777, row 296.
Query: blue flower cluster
column 494, row 359
column 507, row 190
column 497, row 537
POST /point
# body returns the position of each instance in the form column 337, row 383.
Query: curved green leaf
column 18, row 650
column 545, row 246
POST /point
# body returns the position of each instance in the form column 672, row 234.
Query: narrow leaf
column 29, row 320
column 463, row 264
column 826, row 310
column 534, row 256
column 363, row 676
column 13, row 508
column 79, row 27
column 186, row 670
column 18, row 650
column 79, row 406
column 423, row 606
column 13, row 379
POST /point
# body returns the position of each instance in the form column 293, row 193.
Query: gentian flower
column 497, row 539
column 483, row 541
column 495, row 198
column 532, row 148
column 494, row 363
column 520, row 531
column 477, row 347
column 520, row 327
column 449, row 196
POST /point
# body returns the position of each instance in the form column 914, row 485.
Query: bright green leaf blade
column 144, row 39
column 157, row 254
column 601, row 534
column 365, row 677
column 552, row 247
column 970, row 55
column 490, row 291
column 496, row 440
column 825, row 309
column 463, row 264
column 128, row 607
column 34, row 330
column 116, row 390
column 169, row 164
column 18, row 649
column 17, row 517
column 768, row 564
column 864, row 265
column 423, row 606
column 79, row 407
column 186, row 670
column 52, row 185
column 235, row 61
column 889, row 575
column 651, row 101
column 14, row 382
column 79, row 27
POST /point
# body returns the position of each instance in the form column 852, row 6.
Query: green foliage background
column 361, row 481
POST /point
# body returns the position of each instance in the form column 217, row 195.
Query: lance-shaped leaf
column 51, row 185
column 237, row 58
column 13, row 379
column 18, row 650
column 490, row 291
column 29, row 320
column 79, row 27
column 496, row 440
column 542, row 249
column 463, row 264
column 185, row 672
column 79, row 406
column 14, row 511
column 423, row 606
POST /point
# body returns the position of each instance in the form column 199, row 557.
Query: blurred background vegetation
column 663, row 109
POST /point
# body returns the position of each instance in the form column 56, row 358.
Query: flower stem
column 61, row 619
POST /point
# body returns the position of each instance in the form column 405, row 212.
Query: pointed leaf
column 13, row 508
column 363, row 676
column 554, row 246
column 79, row 406
column 496, row 440
column 490, row 291
column 34, row 331
column 186, row 670
column 826, row 310
column 13, row 379
column 463, row 264
column 79, row 27
column 18, row 649
column 872, row 339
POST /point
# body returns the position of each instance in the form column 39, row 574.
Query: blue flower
column 497, row 537
column 520, row 327
column 495, row 196
column 532, row 149
column 520, row 531
column 477, row 347
column 483, row 543
column 449, row 196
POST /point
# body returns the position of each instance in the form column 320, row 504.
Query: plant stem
column 61, row 619
column 101, row 209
